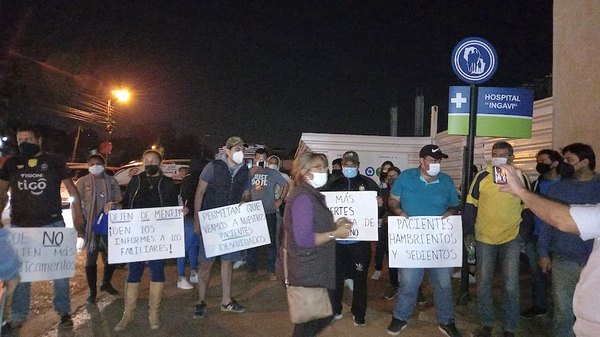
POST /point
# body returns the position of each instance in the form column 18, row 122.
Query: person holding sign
column 424, row 191
column 310, row 234
column 222, row 182
column 352, row 257
column 151, row 188
column 34, row 179
column 99, row 193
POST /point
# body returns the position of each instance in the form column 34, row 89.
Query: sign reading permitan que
column 425, row 242
column 358, row 206
column 47, row 253
column 233, row 228
column 145, row 234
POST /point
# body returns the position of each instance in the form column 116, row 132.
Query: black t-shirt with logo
column 35, row 188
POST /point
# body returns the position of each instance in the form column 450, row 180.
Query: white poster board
column 425, row 242
column 233, row 228
column 145, row 234
column 47, row 253
column 358, row 206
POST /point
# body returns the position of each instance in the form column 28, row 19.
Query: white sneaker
column 456, row 274
column 376, row 275
column 238, row 264
column 194, row 277
column 337, row 317
column 349, row 283
column 183, row 283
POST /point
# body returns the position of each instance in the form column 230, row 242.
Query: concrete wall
column 576, row 73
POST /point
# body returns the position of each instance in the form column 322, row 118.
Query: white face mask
column 319, row 179
column 273, row 167
column 96, row 169
column 238, row 157
column 497, row 161
column 434, row 169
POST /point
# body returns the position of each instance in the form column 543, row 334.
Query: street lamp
column 121, row 95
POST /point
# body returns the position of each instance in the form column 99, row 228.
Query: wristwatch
column 331, row 236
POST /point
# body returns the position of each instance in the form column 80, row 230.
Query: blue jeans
column 191, row 246
column 251, row 258
column 507, row 255
column 135, row 270
column 565, row 275
column 539, row 280
column 410, row 279
column 21, row 297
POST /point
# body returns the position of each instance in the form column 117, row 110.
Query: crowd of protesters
column 498, row 224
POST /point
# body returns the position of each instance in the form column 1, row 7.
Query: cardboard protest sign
column 358, row 206
column 233, row 228
column 145, row 234
column 47, row 253
column 425, row 242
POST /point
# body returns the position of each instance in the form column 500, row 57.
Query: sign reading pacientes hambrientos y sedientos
column 358, row 206
column 46, row 253
column 425, row 242
column 145, row 234
column 233, row 228
column 501, row 112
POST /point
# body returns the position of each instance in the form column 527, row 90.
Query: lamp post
column 121, row 95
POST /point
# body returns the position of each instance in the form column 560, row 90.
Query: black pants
column 352, row 259
column 381, row 251
column 312, row 328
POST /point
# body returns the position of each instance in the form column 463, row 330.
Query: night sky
column 268, row 71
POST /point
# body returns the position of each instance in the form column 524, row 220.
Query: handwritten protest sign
column 425, row 242
column 46, row 253
column 233, row 228
column 360, row 207
column 145, row 234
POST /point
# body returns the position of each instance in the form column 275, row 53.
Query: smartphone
column 499, row 175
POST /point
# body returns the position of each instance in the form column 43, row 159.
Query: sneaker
column 390, row 293
column 194, row 277
column 200, row 310
column 238, row 264
column 65, row 320
column 272, row 277
column 349, row 283
column 508, row 334
column 449, row 330
column 484, row 331
column 109, row 289
column 233, row 306
column 183, row 283
column 457, row 274
column 338, row 316
column 534, row 312
column 396, row 326
column 376, row 275
column 359, row 322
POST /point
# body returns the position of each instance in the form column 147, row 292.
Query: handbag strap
column 285, row 258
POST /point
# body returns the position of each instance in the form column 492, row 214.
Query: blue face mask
column 350, row 172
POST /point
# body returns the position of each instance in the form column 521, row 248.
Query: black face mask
column 566, row 170
column 28, row 150
column 336, row 172
column 151, row 169
column 542, row 168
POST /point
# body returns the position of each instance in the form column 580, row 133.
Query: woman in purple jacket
column 310, row 234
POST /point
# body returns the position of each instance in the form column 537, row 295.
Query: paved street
column 266, row 316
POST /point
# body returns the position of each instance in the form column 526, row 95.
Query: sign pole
column 463, row 297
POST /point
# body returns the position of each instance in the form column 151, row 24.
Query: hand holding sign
column 360, row 208
column 343, row 228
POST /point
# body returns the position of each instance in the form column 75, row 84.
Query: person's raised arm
column 553, row 213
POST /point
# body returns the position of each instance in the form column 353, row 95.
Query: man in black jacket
column 352, row 257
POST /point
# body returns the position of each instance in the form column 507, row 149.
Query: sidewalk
column 266, row 314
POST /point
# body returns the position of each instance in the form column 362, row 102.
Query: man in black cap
column 424, row 191
column 352, row 257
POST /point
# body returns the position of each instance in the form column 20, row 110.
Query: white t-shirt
column 587, row 297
